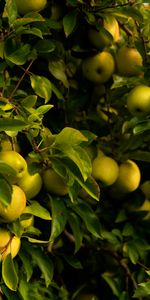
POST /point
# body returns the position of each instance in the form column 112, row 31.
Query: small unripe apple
column 30, row 184
column 15, row 208
column 16, row 161
column 138, row 101
column 99, row 68
column 53, row 183
column 128, row 61
column 26, row 6
column 105, row 169
column 128, row 179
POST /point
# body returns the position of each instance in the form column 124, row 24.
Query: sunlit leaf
column 42, row 86
column 9, row 273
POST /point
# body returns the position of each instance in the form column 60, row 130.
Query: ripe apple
column 16, row 207
column 16, row 161
column 138, row 101
column 99, row 68
column 128, row 61
column 128, row 179
column 99, row 38
column 53, row 183
column 26, row 6
column 105, row 169
column 12, row 247
column 4, row 238
column 30, row 184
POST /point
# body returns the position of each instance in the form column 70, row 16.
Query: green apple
column 138, row 101
column 99, row 38
column 53, row 183
column 12, row 247
column 128, row 61
column 30, row 184
column 16, row 161
column 105, row 169
column 26, row 6
column 15, row 208
column 128, row 179
column 99, row 68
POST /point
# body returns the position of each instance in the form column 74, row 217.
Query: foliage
column 81, row 241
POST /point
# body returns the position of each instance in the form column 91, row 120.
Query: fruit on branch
column 100, row 39
column 7, row 145
column 16, row 161
column 138, row 101
column 54, row 183
column 30, row 184
column 4, row 238
column 26, row 6
column 99, row 68
column 128, row 179
column 128, row 61
column 12, row 247
column 16, row 207
column 105, row 169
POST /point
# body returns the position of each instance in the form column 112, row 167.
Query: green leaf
column 29, row 101
column 58, row 69
column 5, row 191
column 57, row 92
column 42, row 86
column 74, row 223
column 9, row 273
column 69, row 136
column 132, row 252
column 45, row 46
column 11, row 124
column 27, row 19
column 112, row 282
column 15, row 55
column 140, row 155
column 26, row 260
column 70, row 22
column 89, row 218
column 37, row 210
column 59, row 218
column 140, row 128
column 34, row 31
column 43, row 109
column 44, row 263
column 130, row 11
column 73, row 261
column 11, row 10
column 143, row 290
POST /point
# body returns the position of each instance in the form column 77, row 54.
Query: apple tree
column 74, row 149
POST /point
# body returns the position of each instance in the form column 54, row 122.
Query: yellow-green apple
column 54, row 183
column 30, row 184
column 16, row 161
column 128, row 61
column 26, row 6
column 99, row 38
column 105, row 169
column 15, row 208
column 4, row 238
column 138, row 101
column 128, row 178
column 99, row 68
column 12, row 247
